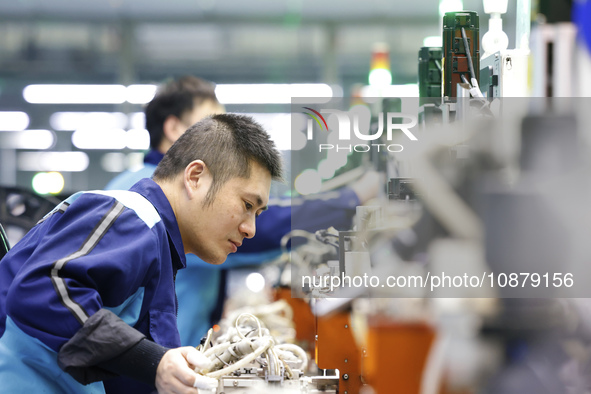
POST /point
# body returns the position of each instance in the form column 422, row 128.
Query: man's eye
column 248, row 206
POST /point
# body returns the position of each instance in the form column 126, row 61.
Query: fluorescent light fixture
column 28, row 139
column 75, row 94
column 92, row 138
column 269, row 93
column 111, row 138
column 410, row 90
column 450, row 6
column 48, row 183
column 135, row 161
column 137, row 120
column 52, row 161
column 140, row 94
column 13, row 120
column 137, row 139
column 433, row 41
column 278, row 125
column 495, row 6
column 67, row 121
column 113, row 162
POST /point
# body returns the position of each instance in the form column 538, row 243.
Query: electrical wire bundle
column 247, row 342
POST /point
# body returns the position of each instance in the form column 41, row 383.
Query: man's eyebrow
column 259, row 201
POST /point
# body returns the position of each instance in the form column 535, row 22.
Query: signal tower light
column 379, row 73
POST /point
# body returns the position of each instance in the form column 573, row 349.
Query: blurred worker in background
column 90, row 289
column 177, row 105
column 201, row 287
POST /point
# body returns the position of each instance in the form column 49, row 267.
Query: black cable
column 467, row 49
column 484, row 108
column 323, row 235
column 465, row 80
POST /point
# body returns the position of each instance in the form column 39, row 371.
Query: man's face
column 206, row 108
column 175, row 127
column 216, row 230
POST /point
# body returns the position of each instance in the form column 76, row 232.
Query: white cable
column 209, row 333
column 295, row 233
column 272, row 362
column 276, row 362
column 245, row 361
column 298, row 351
column 265, row 344
column 435, row 364
column 252, row 317
column 219, row 347
column 288, row 370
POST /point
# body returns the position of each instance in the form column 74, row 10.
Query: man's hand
column 175, row 373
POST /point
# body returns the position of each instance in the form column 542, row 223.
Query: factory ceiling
column 128, row 41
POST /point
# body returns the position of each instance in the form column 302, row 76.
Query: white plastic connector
column 495, row 39
column 205, row 383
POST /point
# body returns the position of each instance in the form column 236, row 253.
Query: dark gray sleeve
column 106, row 347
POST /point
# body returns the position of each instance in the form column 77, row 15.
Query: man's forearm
column 106, row 346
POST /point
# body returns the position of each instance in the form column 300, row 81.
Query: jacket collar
column 152, row 191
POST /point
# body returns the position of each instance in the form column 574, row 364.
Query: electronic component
column 458, row 60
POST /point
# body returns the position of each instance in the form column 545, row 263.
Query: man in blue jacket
column 201, row 287
column 87, row 299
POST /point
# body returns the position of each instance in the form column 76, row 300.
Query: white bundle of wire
column 277, row 316
column 263, row 345
column 248, row 349
column 285, row 349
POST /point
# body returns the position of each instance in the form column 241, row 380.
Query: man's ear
column 196, row 177
column 172, row 129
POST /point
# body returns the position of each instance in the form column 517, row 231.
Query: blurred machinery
column 21, row 209
column 477, row 200
column 430, row 72
column 493, row 195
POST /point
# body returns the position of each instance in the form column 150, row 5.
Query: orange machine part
column 303, row 318
column 396, row 355
column 336, row 349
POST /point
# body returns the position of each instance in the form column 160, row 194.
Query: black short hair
column 176, row 97
column 227, row 144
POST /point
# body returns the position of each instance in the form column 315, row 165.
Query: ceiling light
column 67, row 121
column 52, row 161
column 13, row 120
column 92, row 138
column 269, row 93
column 28, row 139
column 140, row 94
column 75, row 94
